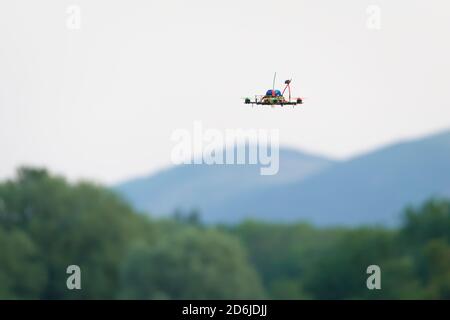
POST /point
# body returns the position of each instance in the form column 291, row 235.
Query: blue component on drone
column 270, row 92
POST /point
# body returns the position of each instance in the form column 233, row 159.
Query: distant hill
column 202, row 186
column 368, row 189
column 372, row 188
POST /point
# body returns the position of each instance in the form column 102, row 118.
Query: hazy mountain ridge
column 371, row 188
column 202, row 186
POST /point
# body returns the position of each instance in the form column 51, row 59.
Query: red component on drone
column 275, row 97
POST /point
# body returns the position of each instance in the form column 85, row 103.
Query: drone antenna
column 274, row 77
column 288, row 86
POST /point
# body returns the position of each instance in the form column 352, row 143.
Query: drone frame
column 274, row 99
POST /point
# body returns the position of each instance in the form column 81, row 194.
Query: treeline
column 47, row 224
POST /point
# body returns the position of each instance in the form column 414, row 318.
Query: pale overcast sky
column 101, row 102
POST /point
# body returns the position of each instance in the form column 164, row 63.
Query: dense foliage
column 47, row 224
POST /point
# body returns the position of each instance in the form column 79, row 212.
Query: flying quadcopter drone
column 275, row 97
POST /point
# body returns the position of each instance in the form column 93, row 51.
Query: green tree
column 426, row 236
column 435, row 263
column 192, row 264
column 283, row 253
column 22, row 275
column 430, row 221
column 81, row 224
